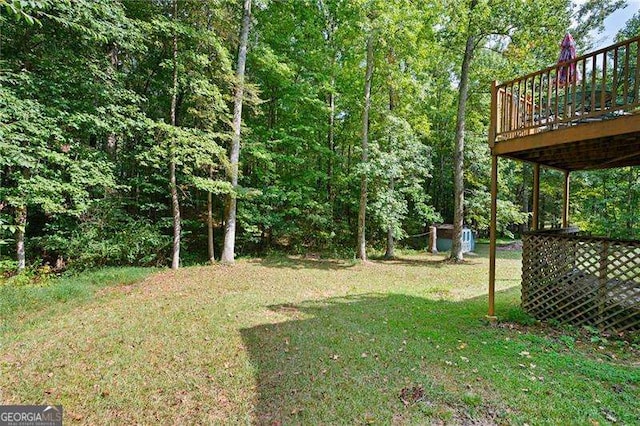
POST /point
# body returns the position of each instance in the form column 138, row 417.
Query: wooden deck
column 593, row 145
column 590, row 122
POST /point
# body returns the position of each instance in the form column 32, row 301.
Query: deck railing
column 605, row 85
column 582, row 280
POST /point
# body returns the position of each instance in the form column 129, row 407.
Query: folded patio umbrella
column 567, row 73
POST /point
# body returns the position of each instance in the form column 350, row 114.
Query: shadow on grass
column 402, row 359
column 431, row 262
column 423, row 260
column 291, row 262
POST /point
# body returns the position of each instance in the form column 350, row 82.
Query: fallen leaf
column 73, row 416
column 609, row 415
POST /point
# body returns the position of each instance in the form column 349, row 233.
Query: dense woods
column 171, row 131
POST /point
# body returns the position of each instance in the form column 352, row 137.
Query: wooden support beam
column 492, row 236
column 600, row 129
column 565, row 201
column 614, row 161
column 494, row 114
column 536, row 197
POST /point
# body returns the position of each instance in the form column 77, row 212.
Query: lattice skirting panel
column 582, row 280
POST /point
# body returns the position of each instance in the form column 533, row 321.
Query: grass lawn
column 300, row 341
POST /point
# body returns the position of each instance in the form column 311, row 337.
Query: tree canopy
column 117, row 127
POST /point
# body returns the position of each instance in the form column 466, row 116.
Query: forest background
column 117, row 126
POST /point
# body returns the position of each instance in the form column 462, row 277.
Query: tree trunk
column 458, row 158
column 228, row 251
column 362, row 242
column 212, row 258
column 112, row 140
column 21, row 223
column 330, row 29
column 390, row 252
column 175, row 202
column 331, row 100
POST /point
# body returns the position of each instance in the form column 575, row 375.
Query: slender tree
column 21, row 223
column 228, row 252
column 175, row 202
column 362, row 213
column 112, row 140
column 211, row 250
column 390, row 251
column 458, row 158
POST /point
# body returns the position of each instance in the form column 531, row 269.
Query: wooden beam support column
column 536, row 197
column 492, row 236
column 493, row 117
column 565, row 201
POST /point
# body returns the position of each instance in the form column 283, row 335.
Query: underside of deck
column 582, row 114
column 602, row 144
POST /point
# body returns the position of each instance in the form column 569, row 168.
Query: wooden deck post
column 565, row 201
column 536, row 197
column 493, row 130
column 492, row 236
column 493, row 116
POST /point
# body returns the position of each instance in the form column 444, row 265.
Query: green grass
column 301, row 341
column 20, row 302
column 499, row 241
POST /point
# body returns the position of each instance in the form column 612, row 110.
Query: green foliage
column 85, row 95
column 607, row 202
column 8, row 267
column 519, row 316
column 7, row 229
column 107, row 236
column 399, row 166
column 509, row 214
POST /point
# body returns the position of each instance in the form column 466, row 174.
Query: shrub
column 108, row 238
